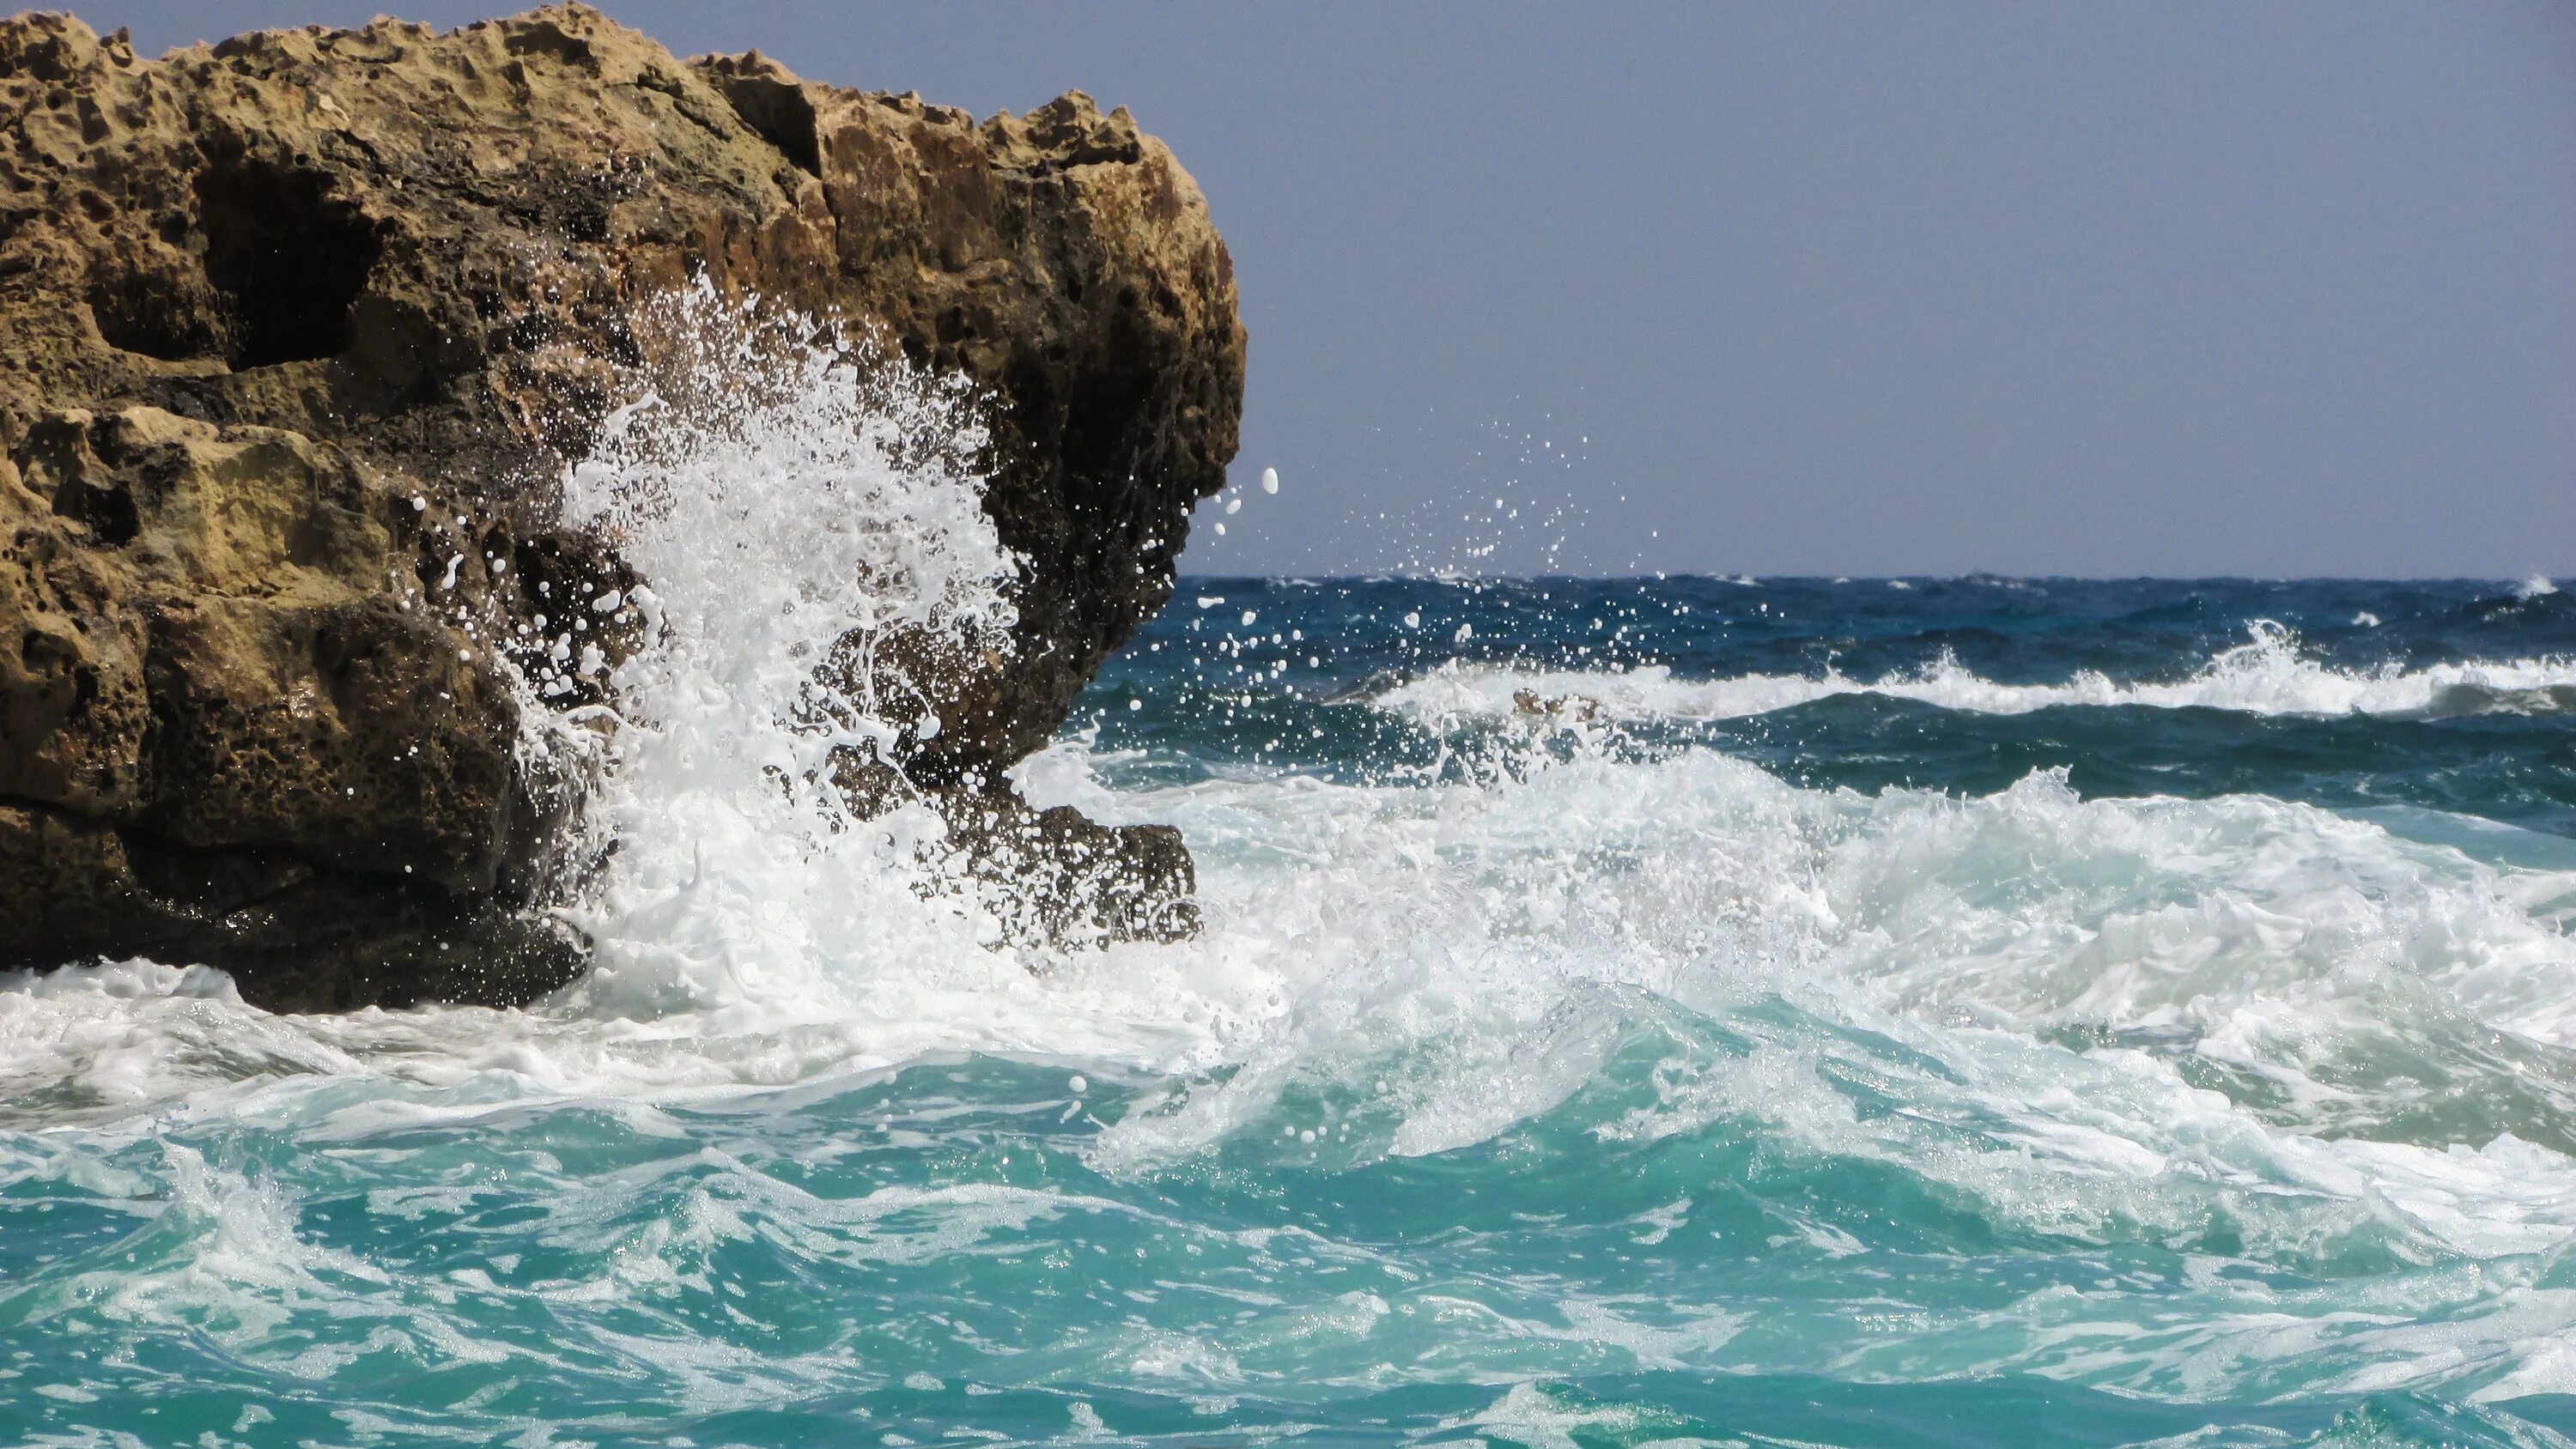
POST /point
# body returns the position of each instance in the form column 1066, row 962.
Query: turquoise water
column 1973, row 1012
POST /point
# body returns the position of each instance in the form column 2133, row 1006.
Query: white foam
column 777, row 499
column 2266, row 675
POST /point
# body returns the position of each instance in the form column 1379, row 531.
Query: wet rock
column 1580, row 708
column 297, row 332
column 1061, row 878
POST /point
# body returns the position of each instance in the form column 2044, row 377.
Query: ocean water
column 1680, row 1011
column 1854, row 1012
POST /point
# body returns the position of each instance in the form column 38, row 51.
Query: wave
column 2266, row 675
column 1337, row 911
column 2251, row 1030
column 794, row 498
column 2298, row 1078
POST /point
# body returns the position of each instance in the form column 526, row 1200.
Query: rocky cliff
column 299, row 327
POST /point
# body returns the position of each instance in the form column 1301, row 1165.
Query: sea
column 1658, row 1010
column 1689, row 1010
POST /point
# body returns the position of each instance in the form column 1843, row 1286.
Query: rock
column 1561, row 706
column 297, row 333
column 1070, row 880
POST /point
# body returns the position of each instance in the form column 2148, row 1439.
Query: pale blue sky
column 2170, row 287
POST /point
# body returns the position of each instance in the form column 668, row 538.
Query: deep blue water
column 2499, row 754
column 1939, row 1012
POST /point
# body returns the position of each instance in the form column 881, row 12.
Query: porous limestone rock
column 297, row 333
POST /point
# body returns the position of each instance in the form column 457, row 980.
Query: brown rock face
column 297, row 333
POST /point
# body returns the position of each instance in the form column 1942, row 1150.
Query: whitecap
column 2266, row 675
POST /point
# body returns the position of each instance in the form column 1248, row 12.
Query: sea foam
column 782, row 489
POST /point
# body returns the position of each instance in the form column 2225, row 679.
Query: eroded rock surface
column 297, row 332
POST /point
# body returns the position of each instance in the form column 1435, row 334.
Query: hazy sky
column 2175, row 288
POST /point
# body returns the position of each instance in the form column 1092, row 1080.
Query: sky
column 2174, row 288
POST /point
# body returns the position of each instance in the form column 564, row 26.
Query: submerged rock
column 297, row 333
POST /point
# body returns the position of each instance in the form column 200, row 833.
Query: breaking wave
column 2266, row 675
column 1701, row 1040
column 793, row 500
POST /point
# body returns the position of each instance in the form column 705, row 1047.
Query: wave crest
column 2266, row 675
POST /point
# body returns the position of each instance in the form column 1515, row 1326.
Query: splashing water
column 2139, row 1070
column 780, row 496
